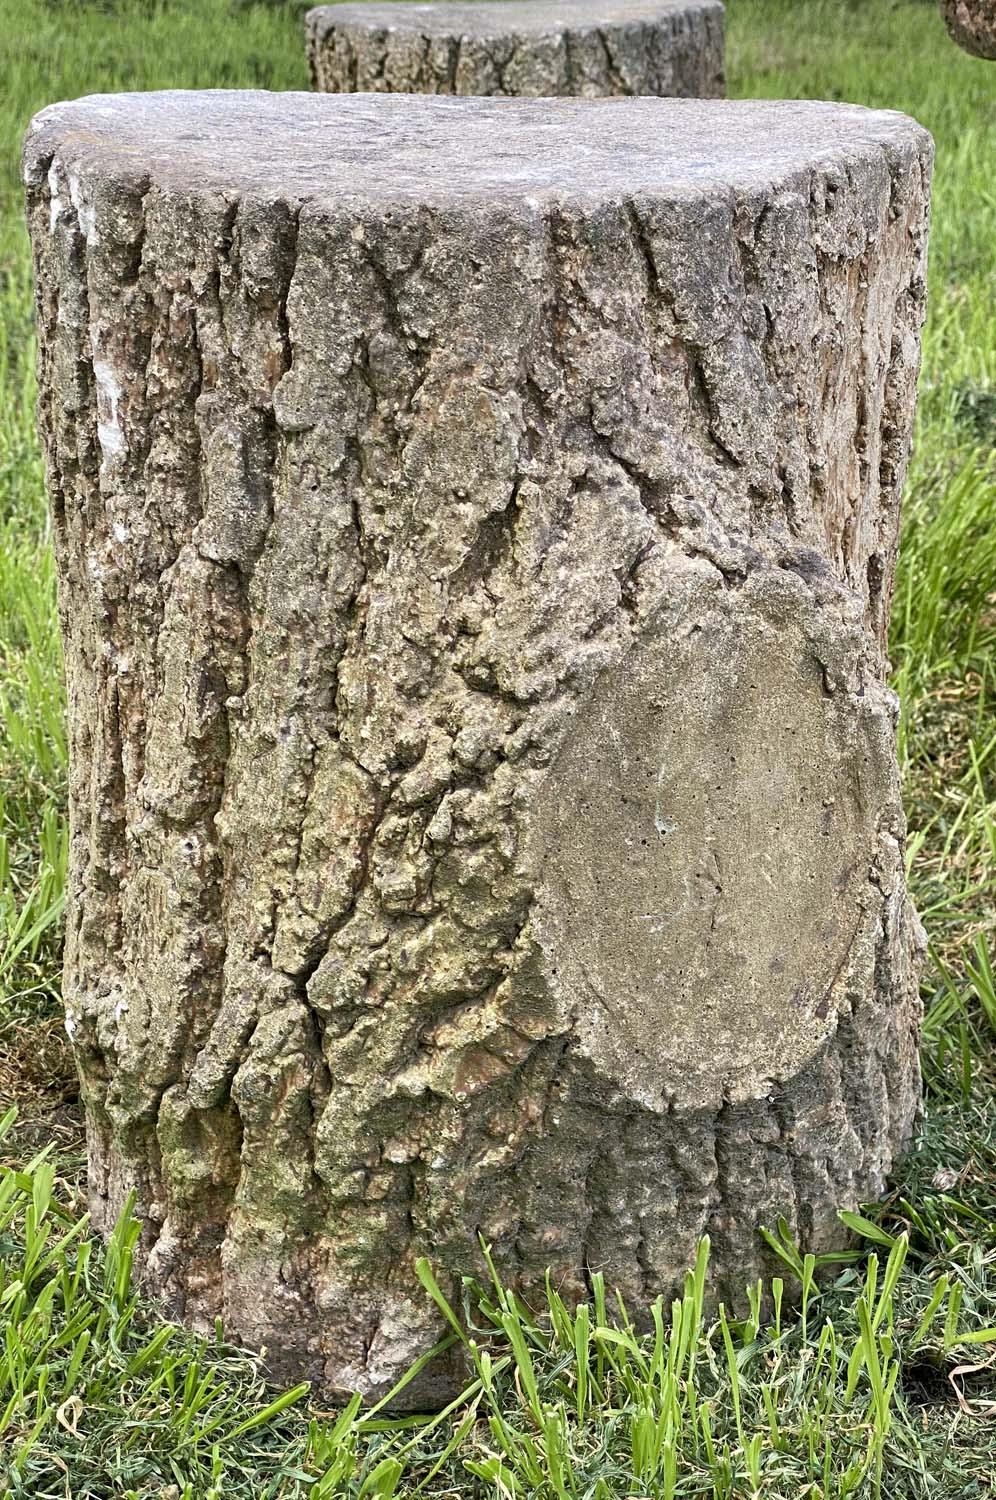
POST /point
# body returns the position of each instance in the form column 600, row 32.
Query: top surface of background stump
column 520, row 48
column 392, row 148
column 498, row 18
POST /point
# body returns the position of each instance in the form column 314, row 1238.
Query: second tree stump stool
column 972, row 24
column 475, row 524
column 519, row 47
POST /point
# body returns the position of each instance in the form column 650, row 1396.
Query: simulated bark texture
column 476, row 524
column 972, row 24
column 520, row 48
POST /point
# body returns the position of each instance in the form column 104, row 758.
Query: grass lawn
column 885, row 1383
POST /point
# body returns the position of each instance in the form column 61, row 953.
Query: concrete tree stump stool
column 972, row 24
column 476, row 524
column 520, row 47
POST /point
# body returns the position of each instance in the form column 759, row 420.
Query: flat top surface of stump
column 384, row 148
column 504, row 17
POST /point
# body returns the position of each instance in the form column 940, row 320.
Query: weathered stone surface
column 972, row 24
column 520, row 48
column 476, row 524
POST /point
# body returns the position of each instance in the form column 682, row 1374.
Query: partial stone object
column 972, row 24
column 476, row 523
column 523, row 48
